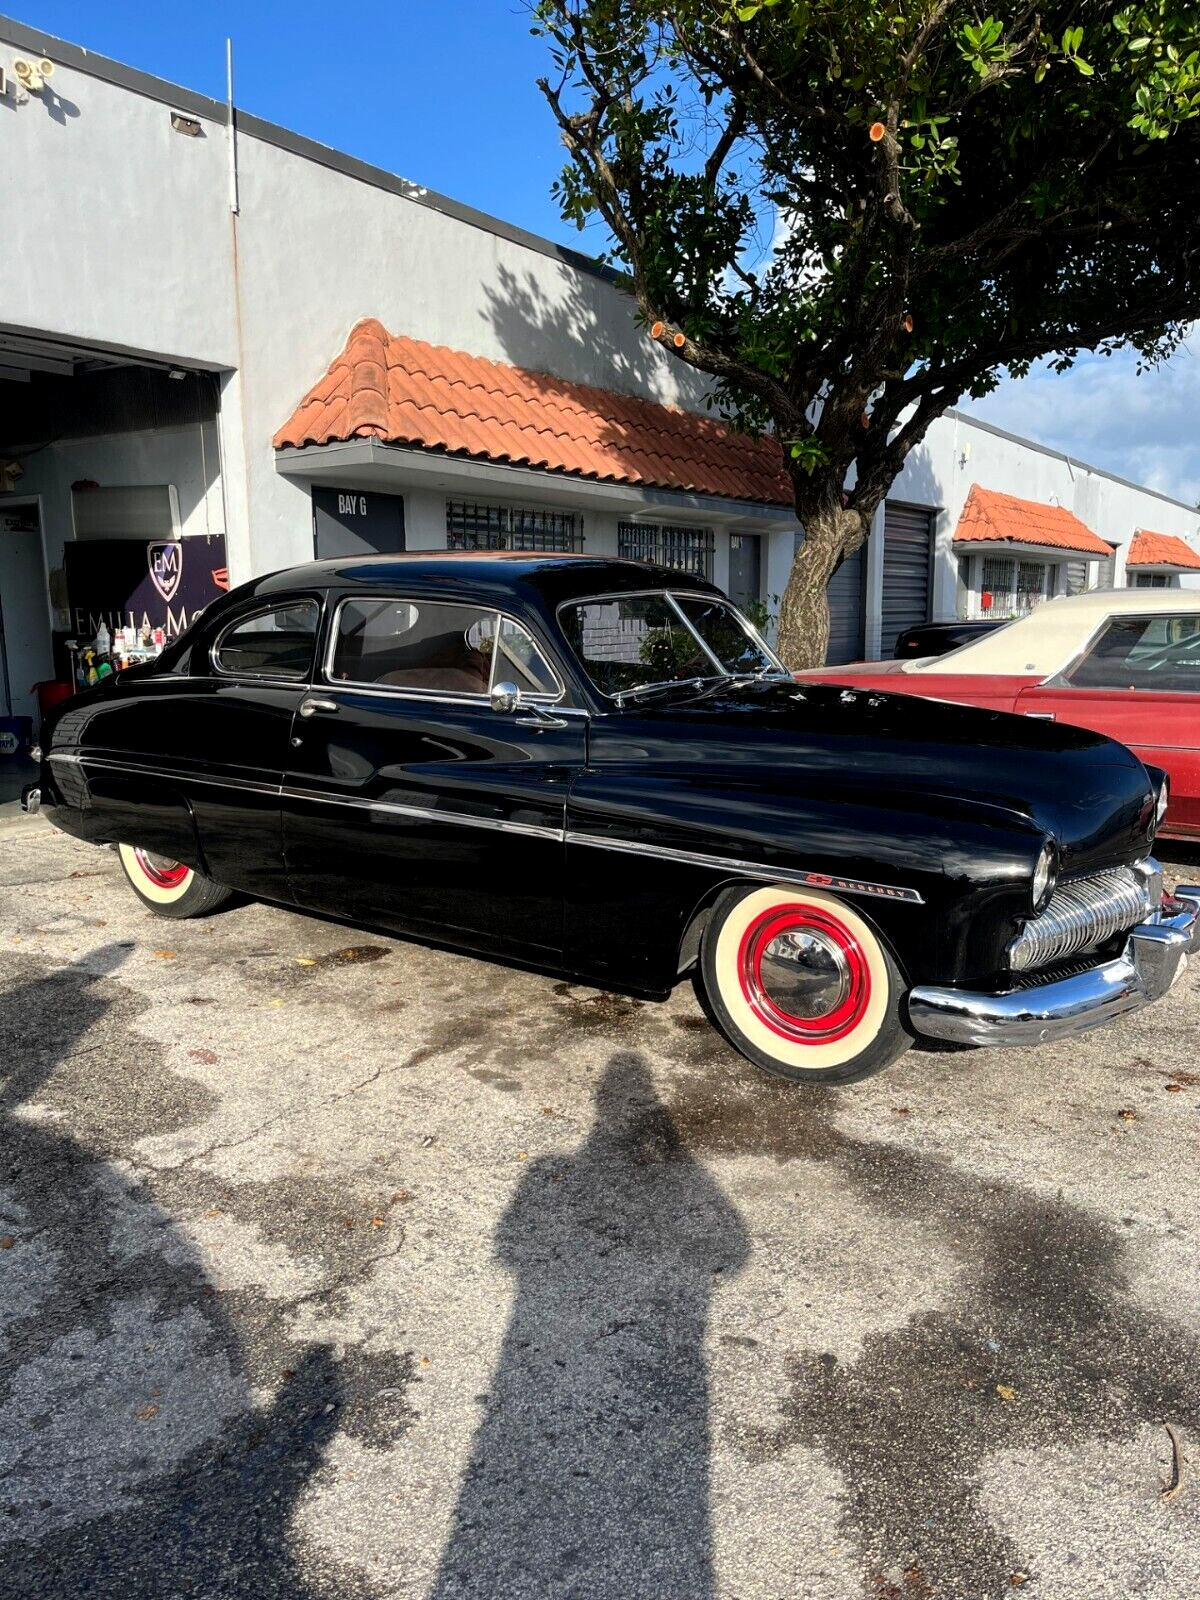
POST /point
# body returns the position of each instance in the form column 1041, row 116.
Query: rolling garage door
column 846, row 595
column 907, row 566
column 846, row 610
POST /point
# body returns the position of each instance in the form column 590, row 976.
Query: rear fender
column 106, row 807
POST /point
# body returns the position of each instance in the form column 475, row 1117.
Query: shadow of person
column 589, row 1473
column 135, row 1458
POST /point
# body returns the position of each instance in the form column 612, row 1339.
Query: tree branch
column 583, row 136
column 732, row 133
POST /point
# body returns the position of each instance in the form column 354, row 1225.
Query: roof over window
column 404, row 392
column 1161, row 550
column 990, row 517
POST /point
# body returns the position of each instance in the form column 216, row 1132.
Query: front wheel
column 167, row 887
column 802, row 986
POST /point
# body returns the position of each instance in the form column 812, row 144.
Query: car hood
column 1092, row 793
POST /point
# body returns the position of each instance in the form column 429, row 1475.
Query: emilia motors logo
column 165, row 559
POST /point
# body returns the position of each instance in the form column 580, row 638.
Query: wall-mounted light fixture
column 188, row 125
column 31, row 74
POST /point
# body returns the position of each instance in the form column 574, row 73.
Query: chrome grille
column 1082, row 915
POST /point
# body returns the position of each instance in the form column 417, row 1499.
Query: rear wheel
column 802, row 986
column 167, row 887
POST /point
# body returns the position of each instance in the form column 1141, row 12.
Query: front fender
column 943, row 886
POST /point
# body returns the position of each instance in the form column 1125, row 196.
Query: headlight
column 1045, row 876
column 1160, row 809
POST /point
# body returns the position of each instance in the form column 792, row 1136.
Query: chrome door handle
column 310, row 706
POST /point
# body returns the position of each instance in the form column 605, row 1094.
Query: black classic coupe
column 599, row 768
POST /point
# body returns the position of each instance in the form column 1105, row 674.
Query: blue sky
column 443, row 92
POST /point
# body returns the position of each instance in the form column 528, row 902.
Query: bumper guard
column 1154, row 956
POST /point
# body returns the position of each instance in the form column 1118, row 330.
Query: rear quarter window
column 275, row 643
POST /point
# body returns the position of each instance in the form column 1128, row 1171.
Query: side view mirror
column 505, row 697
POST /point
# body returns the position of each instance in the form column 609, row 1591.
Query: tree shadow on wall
column 588, row 330
column 589, row 1473
column 134, row 1459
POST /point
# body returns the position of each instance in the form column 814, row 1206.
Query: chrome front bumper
column 1154, row 956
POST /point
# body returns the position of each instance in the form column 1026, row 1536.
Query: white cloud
column 1143, row 427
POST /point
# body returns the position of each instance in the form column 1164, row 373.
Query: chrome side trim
column 748, row 869
column 532, row 830
column 433, row 697
column 1153, row 958
column 167, row 774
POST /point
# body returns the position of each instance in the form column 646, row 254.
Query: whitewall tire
column 167, row 887
column 802, row 985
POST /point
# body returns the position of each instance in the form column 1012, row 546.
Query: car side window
column 1154, row 652
column 434, row 646
column 277, row 643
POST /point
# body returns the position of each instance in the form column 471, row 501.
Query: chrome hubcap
column 804, row 973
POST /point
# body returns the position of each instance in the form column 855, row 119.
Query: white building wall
column 116, row 227
column 958, row 452
column 317, row 251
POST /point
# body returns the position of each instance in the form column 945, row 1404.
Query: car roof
column 1053, row 634
column 484, row 575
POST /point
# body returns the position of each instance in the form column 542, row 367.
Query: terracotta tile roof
column 1002, row 518
column 405, row 392
column 1148, row 549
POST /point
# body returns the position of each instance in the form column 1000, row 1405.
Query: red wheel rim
column 852, row 992
column 161, row 871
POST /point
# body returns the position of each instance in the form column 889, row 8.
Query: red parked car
column 1125, row 662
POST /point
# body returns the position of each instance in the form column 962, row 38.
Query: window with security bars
column 481, row 527
column 1014, row 587
column 684, row 549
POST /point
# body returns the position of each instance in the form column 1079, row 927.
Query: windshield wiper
column 640, row 689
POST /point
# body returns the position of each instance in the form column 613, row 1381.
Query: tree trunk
column 830, row 532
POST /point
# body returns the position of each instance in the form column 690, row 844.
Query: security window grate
column 481, row 527
column 683, row 549
column 1015, row 587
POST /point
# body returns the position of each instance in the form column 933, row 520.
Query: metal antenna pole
column 231, row 127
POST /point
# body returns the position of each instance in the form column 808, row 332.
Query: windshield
column 633, row 642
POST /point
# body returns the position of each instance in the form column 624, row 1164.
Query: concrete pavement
column 333, row 1266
